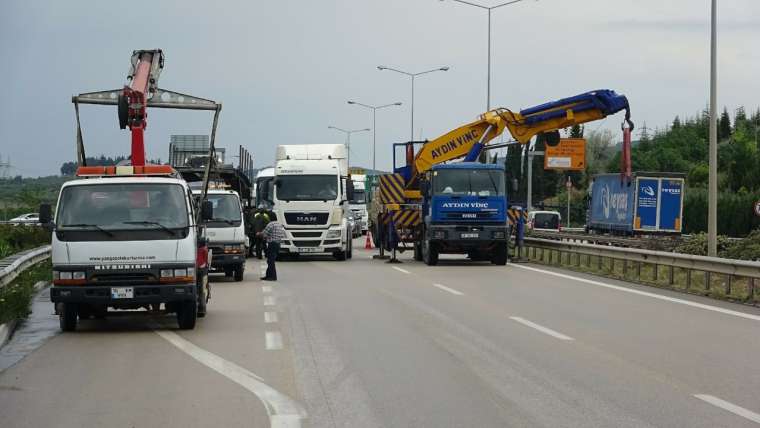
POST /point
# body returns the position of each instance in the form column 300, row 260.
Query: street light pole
column 712, row 201
column 412, row 75
column 348, row 139
column 374, row 124
column 488, row 9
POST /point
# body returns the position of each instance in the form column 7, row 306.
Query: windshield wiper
column 107, row 232
column 155, row 223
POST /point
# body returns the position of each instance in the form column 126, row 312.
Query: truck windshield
column 122, row 207
column 307, row 187
column 358, row 197
column 468, row 182
column 226, row 208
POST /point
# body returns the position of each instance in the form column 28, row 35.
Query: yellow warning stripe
column 392, row 188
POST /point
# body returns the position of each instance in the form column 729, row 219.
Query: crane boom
column 469, row 140
column 142, row 84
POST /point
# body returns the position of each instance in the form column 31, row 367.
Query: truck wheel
column 187, row 313
column 239, row 272
column 68, row 317
column 203, row 296
column 350, row 252
column 500, row 255
column 340, row 255
column 417, row 251
column 429, row 253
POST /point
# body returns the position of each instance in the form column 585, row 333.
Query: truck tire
column 187, row 313
column 203, row 296
column 499, row 255
column 350, row 253
column 340, row 255
column 68, row 317
column 238, row 272
column 429, row 253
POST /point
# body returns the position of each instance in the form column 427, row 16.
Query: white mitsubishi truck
column 359, row 202
column 126, row 237
column 311, row 199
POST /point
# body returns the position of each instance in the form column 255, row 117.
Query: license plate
column 309, row 250
column 469, row 235
column 122, row 292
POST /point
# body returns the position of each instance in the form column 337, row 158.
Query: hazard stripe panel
column 513, row 214
column 392, row 189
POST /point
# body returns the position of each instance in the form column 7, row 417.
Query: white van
column 545, row 221
column 225, row 231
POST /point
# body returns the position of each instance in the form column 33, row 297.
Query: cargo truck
column 311, row 199
column 651, row 203
column 358, row 203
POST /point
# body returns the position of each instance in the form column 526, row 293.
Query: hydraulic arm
column 469, row 140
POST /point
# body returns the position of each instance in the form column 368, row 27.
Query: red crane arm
column 142, row 83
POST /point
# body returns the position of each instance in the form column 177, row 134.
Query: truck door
column 646, row 204
column 671, row 194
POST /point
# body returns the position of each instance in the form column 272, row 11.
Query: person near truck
column 273, row 234
column 260, row 221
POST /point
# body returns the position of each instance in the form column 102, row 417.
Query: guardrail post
column 625, row 268
column 655, row 273
column 707, row 281
column 598, row 263
column 751, row 290
column 729, row 279
column 638, row 271
column 671, row 276
column 688, row 279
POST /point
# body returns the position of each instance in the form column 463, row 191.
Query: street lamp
column 374, row 124
column 489, row 9
column 348, row 140
column 412, row 75
column 712, row 181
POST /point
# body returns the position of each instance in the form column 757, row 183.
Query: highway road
column 369, row 344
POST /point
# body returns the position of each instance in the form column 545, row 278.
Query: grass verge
column 717, row 286
column 16, row 297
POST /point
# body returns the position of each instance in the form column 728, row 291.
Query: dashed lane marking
column 283, row 411
column 450, row 290
column 270, row 301
column 401, row 270
column 270, row 317
column 541, row 328
column 733, row 408
column 645, row 293
column 266, row 288
column 273, row 340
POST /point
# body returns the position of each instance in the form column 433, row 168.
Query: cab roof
column 469, row 165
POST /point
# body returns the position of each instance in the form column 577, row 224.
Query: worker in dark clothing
column 273, row 233
column 260, row 220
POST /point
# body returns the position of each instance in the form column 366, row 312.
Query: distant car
column 544, row 221
column 29, row 218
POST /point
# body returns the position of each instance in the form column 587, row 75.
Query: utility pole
column 712, row 203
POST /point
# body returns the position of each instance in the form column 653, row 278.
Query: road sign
column 757, row 208
column 568, row 155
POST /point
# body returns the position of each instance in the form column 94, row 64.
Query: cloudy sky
column 284, row 69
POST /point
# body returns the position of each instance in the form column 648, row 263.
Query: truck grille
column 302, row 218
column 463, row 215
column 306, row 243
column 306, row 234
column 123, row 277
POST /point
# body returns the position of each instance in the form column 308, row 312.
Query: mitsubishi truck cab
column 358, row 203
column 126, row 238
column 311, row 199
column 226, row 233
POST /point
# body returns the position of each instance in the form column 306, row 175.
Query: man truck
column 311, row 199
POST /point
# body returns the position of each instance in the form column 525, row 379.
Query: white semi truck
column 359, row 202
column 311, row 199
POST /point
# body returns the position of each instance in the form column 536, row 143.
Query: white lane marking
column 270, row 317
column 283, row 411
column 647, row 294
column 266, row 288
column 273, row 340
column 270, row 301
column 401, row 270
column 541, row 328
column 450, row 290
column 733, row 408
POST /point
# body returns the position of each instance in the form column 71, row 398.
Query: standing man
column 260, row 221
column 273, row 233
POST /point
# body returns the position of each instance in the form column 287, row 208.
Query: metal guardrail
column 12, row 266
column 634, row 258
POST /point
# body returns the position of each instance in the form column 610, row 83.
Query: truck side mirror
column 515, row 185
column 349, row 190
column 46, row 214
column 207, row 211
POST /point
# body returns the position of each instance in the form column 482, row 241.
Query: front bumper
column 462, row 238
column 220, row 261
column 142, row 294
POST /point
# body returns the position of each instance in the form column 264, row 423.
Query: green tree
column 724, row 125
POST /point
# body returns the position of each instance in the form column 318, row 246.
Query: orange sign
column 568, row 155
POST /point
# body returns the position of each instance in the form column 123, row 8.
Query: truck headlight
column 333, row 234
column 439, row 234
column 78, row 275
column 65, row 275
column 499, row 234
column 337, row 215
column 69, row 277
column 234, row 248
column 180, row 272
column 167, row 273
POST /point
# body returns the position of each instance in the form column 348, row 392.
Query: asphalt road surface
column 363, row 343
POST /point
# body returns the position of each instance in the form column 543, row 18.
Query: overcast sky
column 284, row 69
